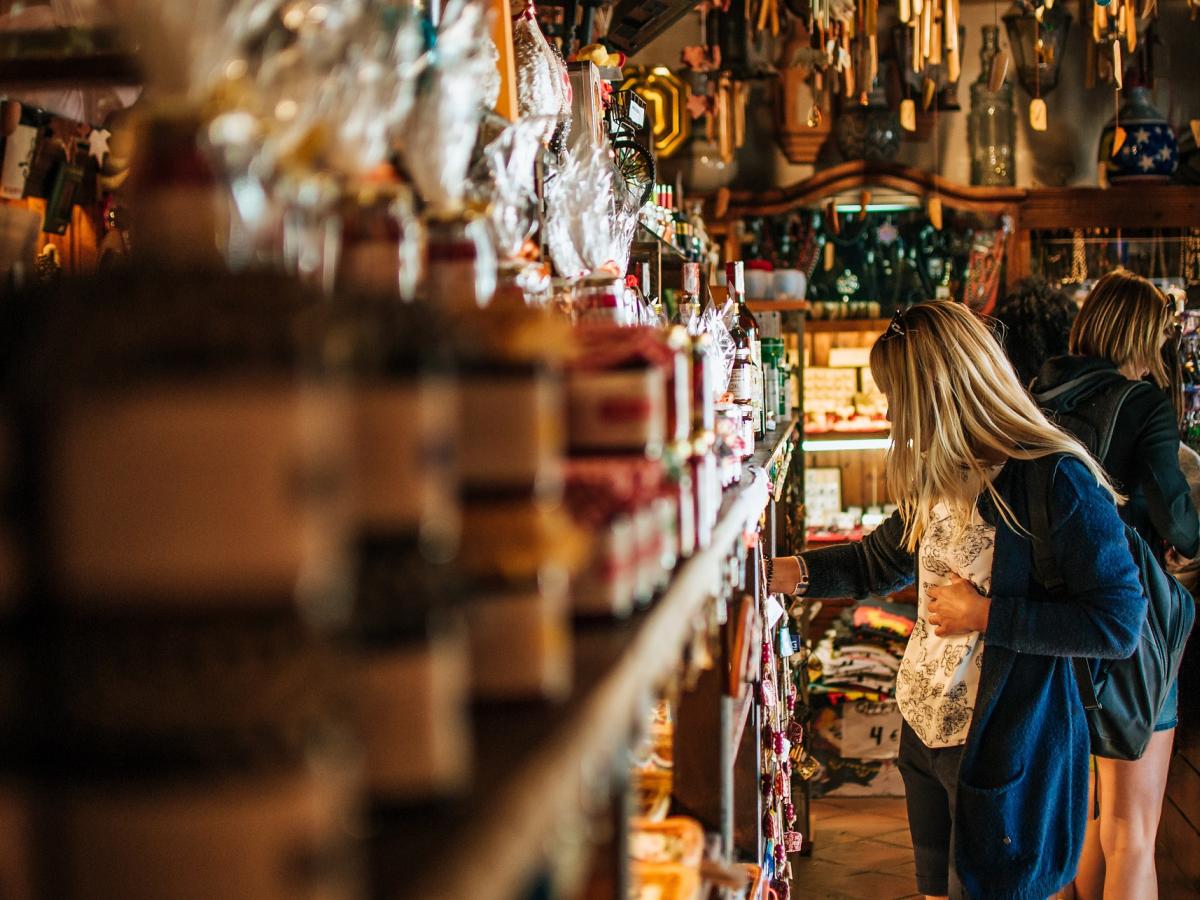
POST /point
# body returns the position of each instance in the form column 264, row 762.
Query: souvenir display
column 400, row 424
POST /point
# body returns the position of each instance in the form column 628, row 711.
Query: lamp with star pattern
column 1149, row 151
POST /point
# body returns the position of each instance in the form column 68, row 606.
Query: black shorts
column 930, row 783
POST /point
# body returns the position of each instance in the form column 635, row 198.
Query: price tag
column 870, row 730
column 786, row 646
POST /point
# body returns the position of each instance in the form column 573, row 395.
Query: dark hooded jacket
column 1143, row 458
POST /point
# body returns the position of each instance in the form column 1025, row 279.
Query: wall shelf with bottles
column 838, row 326
column 538, row 763
column 841, row 442
column 781, row 306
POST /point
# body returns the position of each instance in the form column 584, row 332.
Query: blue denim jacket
column 1023, row 783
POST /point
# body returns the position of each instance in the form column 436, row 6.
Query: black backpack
column 1126, row 697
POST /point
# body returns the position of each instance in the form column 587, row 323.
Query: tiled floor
column 862, row 851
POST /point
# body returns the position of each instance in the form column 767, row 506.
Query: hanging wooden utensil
column 908, row 115
column 1131, row 35
column 999, row 70
column 829, row 255
column 1118, row 69
column 1038, row 116
column 934, row 207
column 904, row 11
column 927, row 30
column 935, row 34
column 928, row 92
column 831, row 216
column 1119, row 136
column 950, row 27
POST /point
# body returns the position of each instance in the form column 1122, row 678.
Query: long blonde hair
column 1125, row 319
column 956, row 408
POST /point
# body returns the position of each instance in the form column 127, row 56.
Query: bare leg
column 1131, row 797
column 1089, row 880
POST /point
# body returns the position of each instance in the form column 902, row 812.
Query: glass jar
column 992, row 125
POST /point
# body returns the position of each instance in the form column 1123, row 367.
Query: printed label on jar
column 275, row 836
column 170, row 494
column 741, row 384
column 621, row 410
column 405, row 469
column 512, row 429
column 410, row 708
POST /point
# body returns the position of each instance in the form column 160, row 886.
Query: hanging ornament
column 1038, row 117
column 828, row 259
column 908, row 115
column 1079, row 271
column 934, row 207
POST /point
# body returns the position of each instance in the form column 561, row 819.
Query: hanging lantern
column 1038, row 43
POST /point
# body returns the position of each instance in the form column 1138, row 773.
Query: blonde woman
column 1116, row 348
column 994, row 749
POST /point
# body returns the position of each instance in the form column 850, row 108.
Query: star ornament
column 887, row 234
column 1146, row 163
column 1141, row 135
column 98, row 143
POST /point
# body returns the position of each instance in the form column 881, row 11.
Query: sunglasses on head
column 898, row 327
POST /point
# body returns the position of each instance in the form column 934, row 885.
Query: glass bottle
column 735, row 281
column 992, row 124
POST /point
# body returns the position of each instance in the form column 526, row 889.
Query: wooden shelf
column 825, row 326
column 645, row 236
column 535, row 763
column 1124, row 206
column 778, row 305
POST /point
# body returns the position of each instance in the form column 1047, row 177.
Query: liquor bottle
column 743, row 383
column 689, row 304
column 770, row 381
column 735, row 281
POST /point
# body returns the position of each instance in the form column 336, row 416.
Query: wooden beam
column 1128, row 206
column 853, row 175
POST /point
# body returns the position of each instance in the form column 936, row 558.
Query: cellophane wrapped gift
column 442, row 128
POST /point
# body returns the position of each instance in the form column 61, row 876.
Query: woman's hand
column 957, row 608
column 1175, row 560
column 785, row 575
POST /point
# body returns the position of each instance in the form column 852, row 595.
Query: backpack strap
column 1040, row 483
column 1106, row 413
